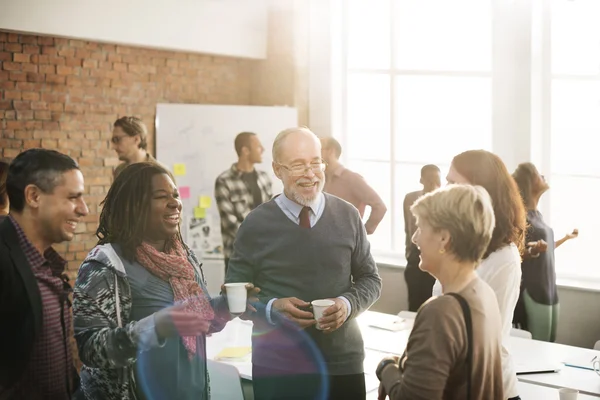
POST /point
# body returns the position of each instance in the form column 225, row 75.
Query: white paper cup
column 567, row 394
column 236, row 297
column 318, row 307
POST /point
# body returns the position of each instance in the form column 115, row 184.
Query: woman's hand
column 251, row 293
column 176, row 321
column 538, row 247
column 572, row 235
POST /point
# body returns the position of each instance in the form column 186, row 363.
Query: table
column 379, row 343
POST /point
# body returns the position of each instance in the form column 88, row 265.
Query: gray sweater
column 331, row 259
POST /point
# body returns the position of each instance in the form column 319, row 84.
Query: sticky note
column 204, row 201
column 184, row 192
column 233, row 352
column 179, row 169
column 199, row 212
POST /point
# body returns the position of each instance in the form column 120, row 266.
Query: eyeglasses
column 299, row 170
column 117, row 139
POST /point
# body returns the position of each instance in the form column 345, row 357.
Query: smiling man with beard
column 302, row 246
column 45, row 189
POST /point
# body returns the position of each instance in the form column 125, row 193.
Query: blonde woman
column 453, row 351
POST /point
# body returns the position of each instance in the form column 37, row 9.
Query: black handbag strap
column 469, row 325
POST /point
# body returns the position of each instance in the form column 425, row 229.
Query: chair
column 597, row 345
column 225, row 381
column 520, row 333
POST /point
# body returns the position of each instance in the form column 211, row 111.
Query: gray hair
column 281, row 136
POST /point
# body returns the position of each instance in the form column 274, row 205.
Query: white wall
column 236, row 28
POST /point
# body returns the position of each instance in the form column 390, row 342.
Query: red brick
column 21, row 58
column 24, row 115
column 66, row 52
column 30, row 86
column 56, row 79
column 76, row 43
column 7, row 85
column 31, row 96
column 39, row 105
column 98, row 56
column 50, row 143
column 40, row 58
column 31, row 144
column 49, row 50
column 12, row 95
column 89, row 63
column 29, row 49
column 47, row 69
column 5, row 56
column 15, row 124
column 51, row 125
column 13, row 47
column 35, row 77
column 30, row 68
column 56, row 60
column 46, row 40
column 13, row 37
column 105, row 65
column 43, row 115
column 21, row 105
column 11, row 66
column 56, row 107
column 18, row 76
column 73, row 62
column 63, row 70
column 29, row 39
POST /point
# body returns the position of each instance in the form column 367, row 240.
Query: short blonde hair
column 466, row 212
column 281, row 136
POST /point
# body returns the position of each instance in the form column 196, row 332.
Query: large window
column 574, row 132
column 416, row 90
column 414, row 81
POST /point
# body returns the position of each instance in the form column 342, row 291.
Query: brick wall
column 65, row 94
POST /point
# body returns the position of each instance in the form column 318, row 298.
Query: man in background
column 241, row 188
column 130, row 141
column 350, row 186
column 45, row 189
column 419, row 283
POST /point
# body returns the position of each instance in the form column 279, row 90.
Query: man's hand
column 334, row 316
column 290, row 308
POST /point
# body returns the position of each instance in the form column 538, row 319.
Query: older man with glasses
column 302, row 246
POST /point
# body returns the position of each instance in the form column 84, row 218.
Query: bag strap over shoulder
column 469, row 325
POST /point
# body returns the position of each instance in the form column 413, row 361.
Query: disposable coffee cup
column 318, row 307
column 236, row 297
column 568, row 394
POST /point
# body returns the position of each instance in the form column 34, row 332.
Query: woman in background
column 141, row 308
column 501, row 264
column 539, row 297
column 3, row 195
column 454, row 229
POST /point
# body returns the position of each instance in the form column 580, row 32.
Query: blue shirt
column 292, row 210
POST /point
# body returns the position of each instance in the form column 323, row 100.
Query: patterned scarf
column 174, row 267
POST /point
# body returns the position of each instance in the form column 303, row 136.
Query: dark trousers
column 272, row 384
column 419, row 284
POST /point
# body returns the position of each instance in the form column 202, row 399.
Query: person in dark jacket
column 45, row 190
